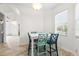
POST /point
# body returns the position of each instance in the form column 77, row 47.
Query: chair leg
column 44, row 47
column 38, row 50
column 46, row 50
column 50, row 49
column 56, row 49
column 28, row 50
column 29, row 47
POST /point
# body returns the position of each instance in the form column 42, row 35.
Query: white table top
column 35, row 35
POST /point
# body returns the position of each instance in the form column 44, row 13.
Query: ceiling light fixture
column 37, row 6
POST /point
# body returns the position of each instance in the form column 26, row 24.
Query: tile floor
column 22, row 51
column 6, row 51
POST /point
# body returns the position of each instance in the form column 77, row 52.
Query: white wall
column 69, row 41
column 49, row 21
column 31, row 20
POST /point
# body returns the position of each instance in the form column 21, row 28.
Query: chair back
column 54, row 38
column 29, row 37
column 42, row 38
column 33, row 32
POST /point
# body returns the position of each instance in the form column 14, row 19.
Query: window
column 61, row 22
column 77, row 20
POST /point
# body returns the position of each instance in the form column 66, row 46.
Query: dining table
column 34, row 36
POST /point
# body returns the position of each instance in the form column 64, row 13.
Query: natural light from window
column 61, row 22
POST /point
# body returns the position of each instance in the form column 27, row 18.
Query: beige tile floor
column 63, row 52
column 22, row 51
column 6, row 51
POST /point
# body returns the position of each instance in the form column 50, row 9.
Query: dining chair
column 53, row 40
column 41, row 44
column 30, row 41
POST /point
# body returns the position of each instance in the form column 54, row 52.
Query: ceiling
column 44, row 5
column 11, row 9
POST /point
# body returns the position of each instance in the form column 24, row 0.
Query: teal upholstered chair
column 42, row 44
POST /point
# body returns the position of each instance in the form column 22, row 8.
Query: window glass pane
column 61, row 22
